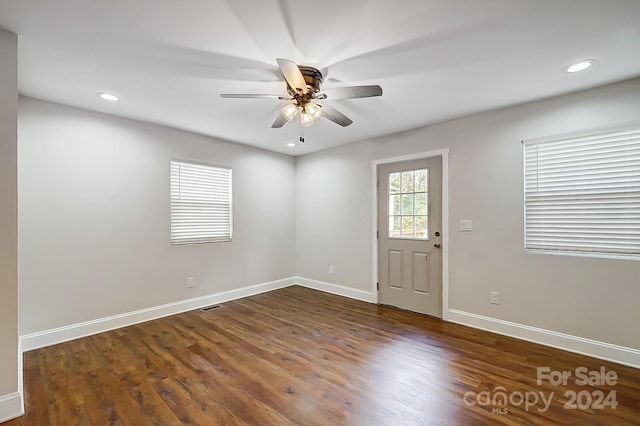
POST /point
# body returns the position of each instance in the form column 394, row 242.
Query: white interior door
column 409, row 235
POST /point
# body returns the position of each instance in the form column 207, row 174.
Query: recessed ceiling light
column 579, row 66
column 291, row 144
column 107, row 96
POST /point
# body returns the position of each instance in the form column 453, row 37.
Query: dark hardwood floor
column 302, row 357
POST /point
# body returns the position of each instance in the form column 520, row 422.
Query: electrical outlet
column 190, row 282
column 331, row 270
column 494, row 297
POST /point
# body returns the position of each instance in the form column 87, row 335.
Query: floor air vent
column 208, row 308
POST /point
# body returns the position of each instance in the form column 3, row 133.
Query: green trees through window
column 408, row 204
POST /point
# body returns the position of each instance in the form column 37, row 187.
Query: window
column 582, row 192
column 200, row 203
column 408, row 197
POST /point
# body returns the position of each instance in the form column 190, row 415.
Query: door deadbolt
column 437, row 234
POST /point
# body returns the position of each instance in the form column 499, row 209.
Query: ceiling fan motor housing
column 313, row 78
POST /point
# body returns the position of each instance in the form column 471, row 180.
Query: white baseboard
column 11, row 406
column 63, row 334
column 567, row 342
column 340, row 290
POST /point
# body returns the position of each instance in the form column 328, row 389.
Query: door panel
column 396, row 269
column 421, row 277
column 409, row 235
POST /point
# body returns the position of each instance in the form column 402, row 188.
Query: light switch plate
column 465, row 225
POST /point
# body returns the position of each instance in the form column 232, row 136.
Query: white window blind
column 200, row 203
column 582, row 192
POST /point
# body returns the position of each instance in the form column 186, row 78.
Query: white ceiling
column 435, row 59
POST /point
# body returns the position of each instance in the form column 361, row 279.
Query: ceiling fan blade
column 253, row 96
column 292, row 74
column 350, row 92
column 335, row 116
column 280, row 121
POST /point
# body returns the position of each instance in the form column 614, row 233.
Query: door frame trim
column 444, row 154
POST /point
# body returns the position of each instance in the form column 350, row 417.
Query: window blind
column 582, row 192
column 200, row 203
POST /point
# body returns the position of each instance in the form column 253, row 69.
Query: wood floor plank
column 296, row 356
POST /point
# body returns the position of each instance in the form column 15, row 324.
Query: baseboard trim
column 593, row 348
column 340, row 290
column 75, row 331
column 11, row 406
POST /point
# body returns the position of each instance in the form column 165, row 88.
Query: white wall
column 591, row 298
column 9, row 399
column 94, row 217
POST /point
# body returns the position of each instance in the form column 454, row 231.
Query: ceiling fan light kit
column 308, row 115
column 303, row 87
column 289, row 111
column 313, row 110
column 305, row 120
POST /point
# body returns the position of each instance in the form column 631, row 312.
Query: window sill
column 585, row 254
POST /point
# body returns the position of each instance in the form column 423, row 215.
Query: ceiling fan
column 303, row 87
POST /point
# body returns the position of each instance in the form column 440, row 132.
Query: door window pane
column 421, row 180
column 394, row 227
column 421, row 227
column 394, row 205
column 407, row 226
column 407, row 182
column 421, row 204
column 394, row 183
column 408, row 204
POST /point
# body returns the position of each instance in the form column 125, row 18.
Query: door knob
column 436, row 245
